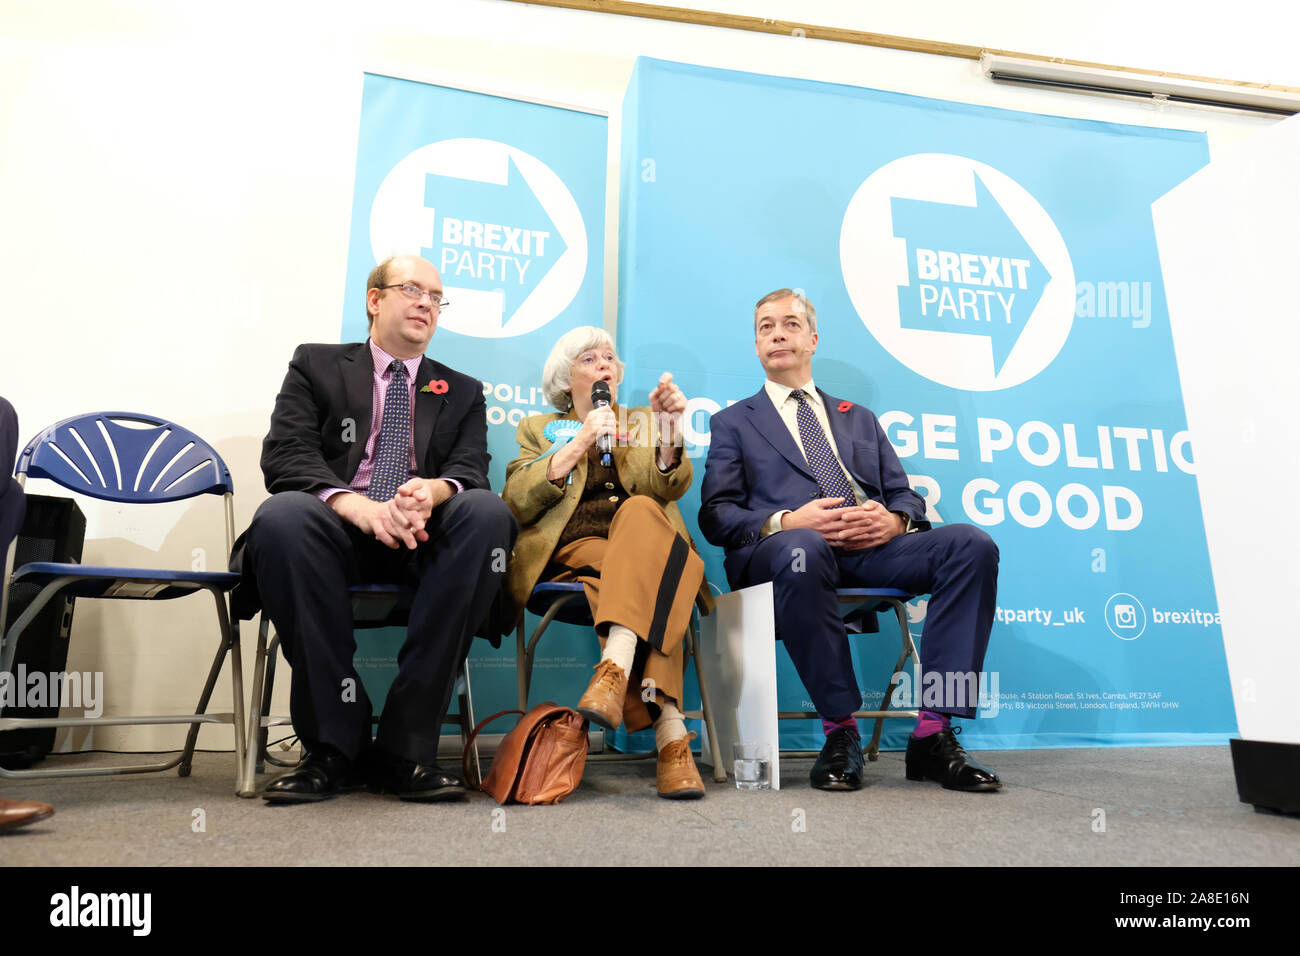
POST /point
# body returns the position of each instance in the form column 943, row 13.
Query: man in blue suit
column 804, row 490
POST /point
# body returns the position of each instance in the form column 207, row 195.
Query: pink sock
column 931, row 723
column 831, row 724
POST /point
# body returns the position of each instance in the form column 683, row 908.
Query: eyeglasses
column 415, row 293
column 588, row 359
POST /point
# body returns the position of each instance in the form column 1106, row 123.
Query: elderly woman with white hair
column 615, row 528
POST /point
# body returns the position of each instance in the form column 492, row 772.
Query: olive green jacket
column 543, row 509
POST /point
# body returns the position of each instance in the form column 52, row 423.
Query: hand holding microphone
column 603, row 421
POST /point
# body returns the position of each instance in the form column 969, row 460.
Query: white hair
column 557, row 372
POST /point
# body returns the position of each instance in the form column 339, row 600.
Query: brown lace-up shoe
column 603, row 702
column 675, row 776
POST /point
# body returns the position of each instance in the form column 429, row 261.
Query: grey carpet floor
column 1107, row 807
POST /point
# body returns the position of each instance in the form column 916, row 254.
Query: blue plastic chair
column 566, row 602
column 865, row 603
column 373, row 605
column 133, row 459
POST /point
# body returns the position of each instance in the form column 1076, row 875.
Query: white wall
column 176, row 180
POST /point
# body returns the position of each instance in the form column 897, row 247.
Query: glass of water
column 752, row 764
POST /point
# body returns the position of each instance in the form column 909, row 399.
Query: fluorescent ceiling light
column 1092, row 79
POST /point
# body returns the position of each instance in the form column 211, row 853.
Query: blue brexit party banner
column 987, row 283
column 507, row 199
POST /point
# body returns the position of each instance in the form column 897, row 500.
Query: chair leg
column 237, row 687
column 467, row 722
column 264, row 752
column 9, row 644
column 719, row 765
column 184, row 762
column 191, row 738
column 520, row 672
column 248, row 779
column 529, row 651
column 908, row 649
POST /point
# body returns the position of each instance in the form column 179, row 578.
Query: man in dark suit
column 377, row 464
column 13, row 506
column 805, row 491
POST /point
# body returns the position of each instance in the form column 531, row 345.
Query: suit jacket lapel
column 768, row 421
column 840, row 432
column 358, row 393
column 427, row 409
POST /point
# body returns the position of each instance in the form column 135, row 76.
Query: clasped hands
column 854, row 529
column 400, row 520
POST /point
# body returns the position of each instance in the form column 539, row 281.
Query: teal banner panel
column 986, row 282
column 507, row 198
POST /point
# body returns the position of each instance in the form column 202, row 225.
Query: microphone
column 600, row 398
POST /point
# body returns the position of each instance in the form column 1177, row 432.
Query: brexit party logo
column 500, row 225
column 957, row 271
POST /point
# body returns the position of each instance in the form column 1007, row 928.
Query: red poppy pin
column 845, row 406
column 437, row 386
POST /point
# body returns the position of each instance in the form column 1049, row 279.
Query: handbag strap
column 464, row 757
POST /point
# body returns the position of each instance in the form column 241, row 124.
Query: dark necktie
column 817, row 450
column 393, row 447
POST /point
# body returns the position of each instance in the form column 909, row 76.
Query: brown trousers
column 644, row 576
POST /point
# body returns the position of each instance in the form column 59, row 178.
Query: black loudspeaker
column 1268, row 774
column 53, row 530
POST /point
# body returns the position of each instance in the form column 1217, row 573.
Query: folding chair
column 133, row 459
column 373, row 605
column 566, row 602
column 866, row 602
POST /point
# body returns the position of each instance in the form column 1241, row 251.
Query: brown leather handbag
column 540, row 760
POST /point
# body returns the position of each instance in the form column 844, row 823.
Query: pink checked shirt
column 379, row 388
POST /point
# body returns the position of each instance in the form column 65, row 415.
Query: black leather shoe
column 388, row 773
column 939, row 757
column 839, row 765
column 322, row 774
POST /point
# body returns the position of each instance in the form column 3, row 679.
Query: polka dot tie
column 393, row 447
column 817, row 450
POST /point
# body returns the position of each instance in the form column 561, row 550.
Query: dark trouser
column 305, row 557
column 13, row 504
column 957, row 565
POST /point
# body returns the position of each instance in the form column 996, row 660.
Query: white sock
column 670, row 726
column 620, row 647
